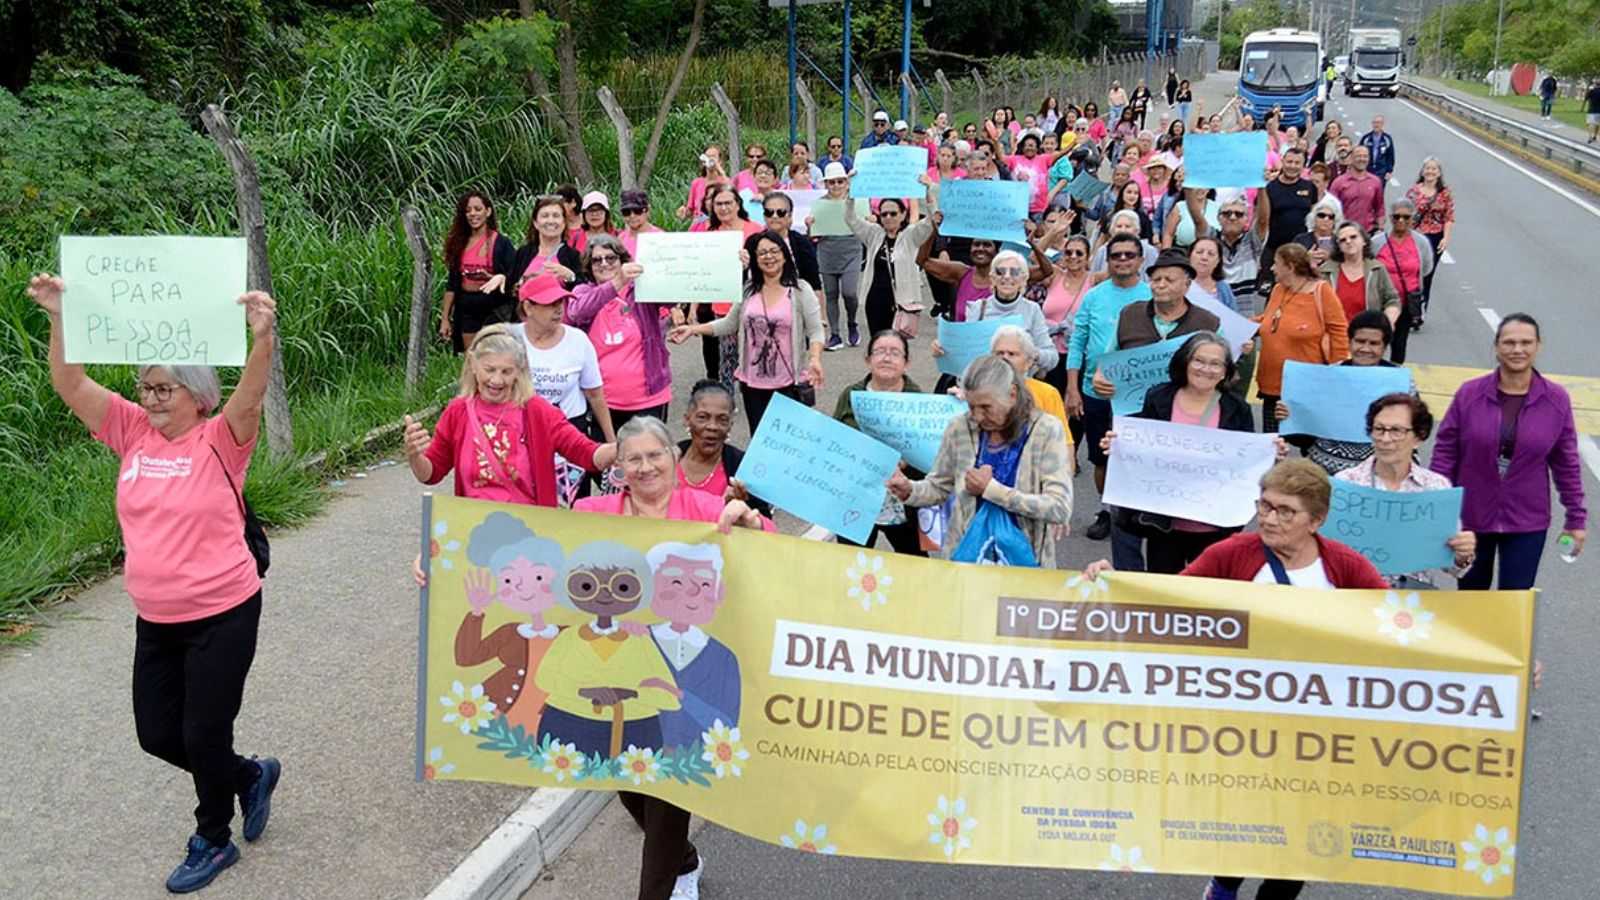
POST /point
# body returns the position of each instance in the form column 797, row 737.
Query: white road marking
column 1590, row 454
column 1582, row 203
column 1447, row 259
column 1490, row 316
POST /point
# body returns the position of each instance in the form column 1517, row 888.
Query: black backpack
column 255, row 536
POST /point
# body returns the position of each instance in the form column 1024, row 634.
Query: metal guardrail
column 1582, row 159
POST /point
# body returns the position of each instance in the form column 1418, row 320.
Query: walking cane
column 617, row 724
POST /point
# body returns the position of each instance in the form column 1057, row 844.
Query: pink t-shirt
column 1401, row 259
column 630, row 241
column 1208, row 419
column 767, row 358
column 745, row 181
column 685, row 506
column 715, row 485
column 455, row 446
column 1061, row 305
column 619, row 344
column 1037, row 172
column 1097, row 130
column 181, row 525
column 956, row 174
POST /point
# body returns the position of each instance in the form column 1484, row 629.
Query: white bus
column 1283, row 68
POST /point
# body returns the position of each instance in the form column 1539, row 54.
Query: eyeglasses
column 633, row 211
column 1123, row 255
column 587, row 585
column 774, row 213
column 768, row 253
column 1398, row 216
column 1208, row 365
column 645, row 460
column 161, row 392
column 1074, row 254
column 1388, row 432
column 889, row 212
column 888, row 353
column 1350, row 239
column 1231, row 214
column 608, row 259
column 1282, row 513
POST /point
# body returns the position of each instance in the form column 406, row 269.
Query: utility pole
column 1499, row 26
column 1438, row 47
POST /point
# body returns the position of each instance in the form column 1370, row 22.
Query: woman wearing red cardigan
column 1286, row 550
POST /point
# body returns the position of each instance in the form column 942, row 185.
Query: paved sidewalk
column 1526, row 117
column 85, row 814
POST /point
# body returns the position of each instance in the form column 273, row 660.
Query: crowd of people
column 567, row 385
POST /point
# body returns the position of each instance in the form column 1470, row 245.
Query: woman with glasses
column 1288, row 550
column 545, row 250
column 766, row 181
column 778, row 209
column 1009, row 279
column 1302, row 321
column 836, row 154
column 629, row 338
column 727, row 213
column 1436, row 218
column 1506, row 435
column 777, row 329
column 1399, row 424
column 1407, row 255
column 711, row 175
column 1067, row 282
column 635, row 219
column 194, row 581
column 563, row 365
column 1361, row 282
column 888, row 355
column 477, row 261
column 896, row 288
column 1193, row 395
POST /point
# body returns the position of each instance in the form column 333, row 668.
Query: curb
column 513, row 856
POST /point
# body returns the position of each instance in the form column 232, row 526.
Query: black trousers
column 1169, row 553
column 756, row 400
column 1402, row 335
column 667, row 850
column 188, row 682
column 1427, row 280
column 1271, row 888
column 904, row 538
column 710, row 348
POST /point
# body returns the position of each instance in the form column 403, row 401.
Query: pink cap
column 543, row 290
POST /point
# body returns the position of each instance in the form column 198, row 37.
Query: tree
column 654, row 146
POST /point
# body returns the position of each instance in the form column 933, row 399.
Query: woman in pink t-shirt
column 711, row 175
column 194, row 581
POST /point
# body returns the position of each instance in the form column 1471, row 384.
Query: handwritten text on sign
column 163, row 300
column 1136, row 371
column 988, row 210
column 1399, row 533
column 1205, row 474
column 818, row 469
column 689, row 267
column 914, row 424
column 889, row 171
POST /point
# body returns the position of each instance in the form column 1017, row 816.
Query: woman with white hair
column 1008, row 278
column 1013, row 345
column 585, row 704
column 191, row 568
column 1005, row 452
column 1318, row 237
column 1407, row 256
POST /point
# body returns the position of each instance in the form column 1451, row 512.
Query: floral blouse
column 1433, row 213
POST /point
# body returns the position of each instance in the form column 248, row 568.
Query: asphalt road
column 1519, row 245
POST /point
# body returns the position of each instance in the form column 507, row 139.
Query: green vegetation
column 1560, row 35
column 1566, row 111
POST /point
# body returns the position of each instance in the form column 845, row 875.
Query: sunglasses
column 772, row 213
column 1401, row 216
column 1231, row 214
column 1076, row 254
column 1010, row 272
column 608, row 259
column 1324, row 215
column 633, row 211
column 1123, row 255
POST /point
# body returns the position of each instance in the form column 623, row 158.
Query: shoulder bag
column 255, row 536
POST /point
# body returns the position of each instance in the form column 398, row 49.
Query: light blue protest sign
column 1086, row 188
column 1134, row 372
column 754, row 207
column 991, row 210
column 910, row 423
column 1227, row 160
column 963, row 342
column 1331, row 401
column 818, row 469
column 888, row 170
column 1399, row 533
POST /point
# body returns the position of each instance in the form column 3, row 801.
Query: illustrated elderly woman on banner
column 606, row 686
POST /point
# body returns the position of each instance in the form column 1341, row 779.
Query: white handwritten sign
column 153, row 300
column 689, row 267
column 1187, row 471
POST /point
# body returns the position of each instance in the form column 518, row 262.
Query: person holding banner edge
column 194, row 579
column 1399, row 424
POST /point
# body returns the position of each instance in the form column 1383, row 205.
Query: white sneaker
column 688, row 886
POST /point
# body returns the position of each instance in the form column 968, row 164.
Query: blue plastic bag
column 993, row 538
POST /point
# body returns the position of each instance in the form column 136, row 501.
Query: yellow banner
column 836, row 700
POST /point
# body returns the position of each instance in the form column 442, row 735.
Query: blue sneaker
column 203, row 864
column 1215, row 891
column 834, row 342
column 256, row 803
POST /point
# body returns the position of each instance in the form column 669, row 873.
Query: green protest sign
column 153, row 300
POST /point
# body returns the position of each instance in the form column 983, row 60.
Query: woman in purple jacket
column 1505, row 435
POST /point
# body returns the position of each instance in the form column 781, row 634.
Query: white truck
column 1374, row 62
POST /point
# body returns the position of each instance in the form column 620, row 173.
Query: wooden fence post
column 735, row 149
column 811, row 114
column 983, row 95
column 867, row 106
column 421, row 295
column 253, row 222
column 944, row 94
column 619, row 121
